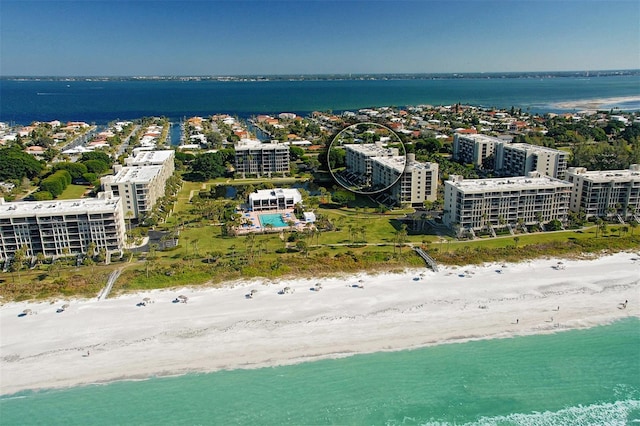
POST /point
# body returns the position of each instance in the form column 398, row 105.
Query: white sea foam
column 606, row 414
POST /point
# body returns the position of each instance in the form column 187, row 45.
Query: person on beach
column 517, row 320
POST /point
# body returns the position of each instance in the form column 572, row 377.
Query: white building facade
column 410, row 181
column 358, row 157
column 139, row 187
column 606, row 193
column 518, row 159
column 255, row 158
column 510, row 159
column 61, row 228
column 477, row 203
column 141, row 182
column 274, row 199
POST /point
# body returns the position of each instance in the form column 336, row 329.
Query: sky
column 172, row 38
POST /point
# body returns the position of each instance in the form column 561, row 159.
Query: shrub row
column 56, row 183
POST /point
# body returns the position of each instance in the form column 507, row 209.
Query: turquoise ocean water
column 580, row 377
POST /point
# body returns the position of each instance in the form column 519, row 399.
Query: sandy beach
column 595, row 104
column 221, row 328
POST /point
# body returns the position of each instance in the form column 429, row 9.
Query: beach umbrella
column 27, row 311
column 182, row 297
column 253, row 292
column 65, row 306
column 146, row 299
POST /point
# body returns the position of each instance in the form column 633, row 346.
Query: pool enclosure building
column 274, row 199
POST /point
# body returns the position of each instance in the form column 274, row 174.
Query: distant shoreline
column 340, row 76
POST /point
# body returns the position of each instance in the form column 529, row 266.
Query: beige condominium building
column 606, row 193
column 141, row 182
column 518, row 159
column 417, row 182
column 510, row 159
column 475, row 203
column 164, row 158
column 473, row 149
column 139, row 188
column 61, row 227
column 254, row 158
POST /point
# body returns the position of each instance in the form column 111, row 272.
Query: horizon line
column 342, row 74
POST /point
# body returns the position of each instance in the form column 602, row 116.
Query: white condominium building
column 139, row 187
column 474, row 203
column 61, row 227
column 274, row 199
column 261, row 159
column 418, row 181
column 164, row 158
column 518, row 159
column 358, row 157
column 605, row 193
column 473, row 149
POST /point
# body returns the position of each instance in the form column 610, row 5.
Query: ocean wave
column 619, row 413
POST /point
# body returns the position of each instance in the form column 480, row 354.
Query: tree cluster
column 16, row 164
column 209, row 165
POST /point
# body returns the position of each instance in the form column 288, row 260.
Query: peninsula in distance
column 329, row 77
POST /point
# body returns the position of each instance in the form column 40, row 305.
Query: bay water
column 578, row 377
column 24, row 101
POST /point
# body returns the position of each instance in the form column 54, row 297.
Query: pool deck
column 253, row 224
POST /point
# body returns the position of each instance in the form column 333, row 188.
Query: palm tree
column 129, row 216
column 186, row 244
column 363, row 233
column 40, row 257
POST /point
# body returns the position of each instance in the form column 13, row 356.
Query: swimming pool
column 274, row 219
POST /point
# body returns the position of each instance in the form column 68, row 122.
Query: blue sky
column 138, row 37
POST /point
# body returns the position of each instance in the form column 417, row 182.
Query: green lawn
column 74, row 191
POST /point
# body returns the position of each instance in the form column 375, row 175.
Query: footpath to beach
column 95, row 341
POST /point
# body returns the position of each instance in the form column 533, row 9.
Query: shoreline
column 595, row 104
column 98, row 342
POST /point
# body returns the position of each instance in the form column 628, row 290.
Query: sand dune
column 221, row 328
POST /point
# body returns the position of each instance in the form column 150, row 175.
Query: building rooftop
column 136, row 174
column 47, row 208
column 245, row 144
column 267, row 194
column 507, row 184
column 146, row 157
column 371, row 149
column 529, row 147
column 606, row 175
column 478, row 137
column 412, row 164
column 396, row 163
